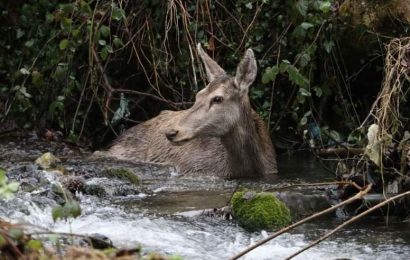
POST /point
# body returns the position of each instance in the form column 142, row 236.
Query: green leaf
column 57, row 213
column 305, row 92
column 102, row 42
column 303, row 121
column 306, row 26
column 20, row 33
column 23, row 91
column 270, row 74
column 34, row 244
column 71, row 209
column 29, row 43
column 105, row 31
column 117, row 13
column 118, row 42
column 63, row 44
column 85, row 8
column 302, row 7
column 325, row 6
column 318, row 91
column 36, row 78
column 24, row 71
column 49, row 18
column 283, row 67
column 296, row 77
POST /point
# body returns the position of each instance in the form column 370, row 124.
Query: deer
column 220, row 135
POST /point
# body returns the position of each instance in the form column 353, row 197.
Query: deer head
column 219, row 106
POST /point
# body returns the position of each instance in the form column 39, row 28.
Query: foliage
column 259, row 211
column 7, row 189
column 74, row 65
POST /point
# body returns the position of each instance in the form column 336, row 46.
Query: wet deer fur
column 220, row 135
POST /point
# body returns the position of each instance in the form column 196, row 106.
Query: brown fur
column 227, row 139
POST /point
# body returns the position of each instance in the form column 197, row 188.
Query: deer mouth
column 180, row 142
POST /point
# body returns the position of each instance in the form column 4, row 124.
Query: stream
column 163, row 213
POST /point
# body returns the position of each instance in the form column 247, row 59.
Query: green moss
column 259, row 211
column 122, row 174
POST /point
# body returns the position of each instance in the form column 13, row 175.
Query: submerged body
column 207, row 156
column 220, row 135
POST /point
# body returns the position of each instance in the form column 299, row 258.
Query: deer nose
column 171, row 135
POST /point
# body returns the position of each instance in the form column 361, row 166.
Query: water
column 165, row 217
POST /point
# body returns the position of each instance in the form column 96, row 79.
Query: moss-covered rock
column 122, row 174
column 47, row 161
column 256, row 211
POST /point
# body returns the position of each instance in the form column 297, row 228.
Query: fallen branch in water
column 364, row 213
column 354, row 184
column 340, row 152
column 359, row 195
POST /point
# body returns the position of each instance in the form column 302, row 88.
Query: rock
column 302, row 204
column 125, row 190
column 98, row 241
column 95, row 190
column 47, row 161
column 260, row 211
column 122, row 174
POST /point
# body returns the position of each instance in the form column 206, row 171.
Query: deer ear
column 246, row 72
column 213, row 70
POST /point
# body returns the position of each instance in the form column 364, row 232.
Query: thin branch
column 364, row 213
column 358, row 196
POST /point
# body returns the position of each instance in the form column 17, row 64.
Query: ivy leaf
column 29, row 43
column 318, row 91
column 105, row 51
column 283, row 67
column 306, row 25
column 102, row 42
column 302, row 7
column 296, row 77
column 325, row 6
column 118, row 42
column 70, row 209
column 20, row 33
column 270, row 74
column 57, row 213
column 63, row 44
column 117, row 13
column 105, row 31
column 24, row 71
column 305, row 92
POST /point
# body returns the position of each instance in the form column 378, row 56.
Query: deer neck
column 244, row 147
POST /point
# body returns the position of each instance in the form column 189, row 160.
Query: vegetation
column 256, row 211
column 83, row 66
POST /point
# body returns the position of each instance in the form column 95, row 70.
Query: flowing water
column 164, row 216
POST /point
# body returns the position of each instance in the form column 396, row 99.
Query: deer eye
column 217, row 100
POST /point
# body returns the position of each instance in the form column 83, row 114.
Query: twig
column 354, row 184
column 358, row 195
column 381, row 204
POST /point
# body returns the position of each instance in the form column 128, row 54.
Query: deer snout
column 171, row 135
